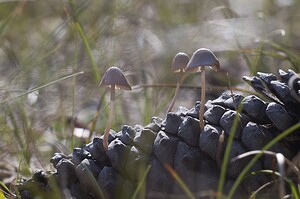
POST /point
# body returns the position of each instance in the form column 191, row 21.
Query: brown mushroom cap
column 180, row 62
column 115, row 77
column 202, row 57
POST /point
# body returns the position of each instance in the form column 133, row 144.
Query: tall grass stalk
column 84, row 38
column 85, row 41
column 147, row 106
column 73, row 96
column 239, row 179
column 227, row 153
column 229, row 144
column 74, row 68
column 93, row 122
column 16, row 130
column 88, row 49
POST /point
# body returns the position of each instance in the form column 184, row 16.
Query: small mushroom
column 178, row 66
column 201, row 58
column 114, row 78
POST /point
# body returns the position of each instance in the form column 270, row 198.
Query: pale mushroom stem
column 109, row 120
column 201, row 112
column 180, row 79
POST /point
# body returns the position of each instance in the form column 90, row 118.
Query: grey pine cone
column 138, row 155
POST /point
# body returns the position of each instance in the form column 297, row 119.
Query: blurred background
column 54, row 53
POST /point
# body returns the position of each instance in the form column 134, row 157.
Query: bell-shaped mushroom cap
column 202, row 57
column 180, row 62
column 115, row 77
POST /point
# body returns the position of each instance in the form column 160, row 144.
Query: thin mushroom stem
column 109, row 120
column 201, row 112
column 180, row 79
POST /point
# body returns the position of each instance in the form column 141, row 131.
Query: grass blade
column 257, row 156
column 227, row 152
column 82, row 34
column 141, row 183
column 282, row 160
column 5, row 192
column 43, row 86
column 88, row 49
column 254, row 152
column 271, row 172
column 281, row 169
column 180, row 182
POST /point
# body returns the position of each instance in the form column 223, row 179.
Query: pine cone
column 148, row 155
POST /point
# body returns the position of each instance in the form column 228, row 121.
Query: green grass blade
column 291, row 56
column 88, row 49
column 82, row 35
column 227, row 153
column 141, row 183
column 2, row 195
column 228, row 147
column 271, row 172
column 257, row 156
column 273, row 154
column 291, row 165
column 4, row 191
column 180, row 182
column 93, row 184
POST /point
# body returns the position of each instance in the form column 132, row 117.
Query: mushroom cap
column 113, row 76
column 180, row 62
column 202, row 57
